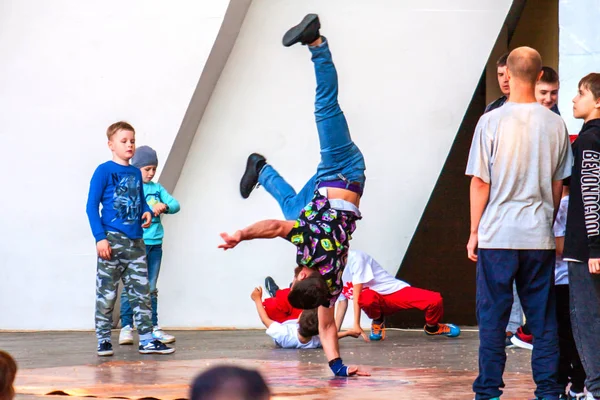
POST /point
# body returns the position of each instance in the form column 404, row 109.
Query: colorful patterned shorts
column 322, row 235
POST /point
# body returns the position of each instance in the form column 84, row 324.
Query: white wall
column 579, row 48
column 69, row 69
column 407, row 73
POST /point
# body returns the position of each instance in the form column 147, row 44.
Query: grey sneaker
column 126, row 335
column 161, row 335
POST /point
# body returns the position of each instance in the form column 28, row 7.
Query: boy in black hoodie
column 582, row 238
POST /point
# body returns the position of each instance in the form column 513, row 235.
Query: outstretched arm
column 344, row 334
column 256, row 296
column 267, row 229
column 356, row 328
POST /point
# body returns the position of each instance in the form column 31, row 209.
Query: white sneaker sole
column 125, row 341
column 168, row 351
column 519, row 343
column 106, row 353
column 166, row 341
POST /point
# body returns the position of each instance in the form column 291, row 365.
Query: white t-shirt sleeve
column 560, row 225
column 361, row 268
column 341, row 297
column 281, row 336
column 480, row 153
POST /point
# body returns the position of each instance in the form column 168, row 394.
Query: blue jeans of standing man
column 153, row 258
column 533, row 272
column 585, row 320
column 341, row 159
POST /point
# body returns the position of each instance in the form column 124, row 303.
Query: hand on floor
column 355, row 370
column 358, row 331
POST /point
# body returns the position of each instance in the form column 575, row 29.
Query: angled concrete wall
column 68, row 70
column 407, row 70
column 407, row 73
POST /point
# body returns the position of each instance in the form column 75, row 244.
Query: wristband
column 338, row 368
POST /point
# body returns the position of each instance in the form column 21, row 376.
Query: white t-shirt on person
column 519, row 149
column 362, row 268
column 561, row 270
column 285, row 335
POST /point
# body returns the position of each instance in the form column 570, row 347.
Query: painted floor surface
column 407, row 365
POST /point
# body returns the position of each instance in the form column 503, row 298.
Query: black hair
column 549, row 75
column 309, row 293
column 502, row 60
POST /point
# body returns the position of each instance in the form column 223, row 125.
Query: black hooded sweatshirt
column 582, row 238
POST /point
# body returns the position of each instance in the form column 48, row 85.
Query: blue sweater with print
column 120, row 190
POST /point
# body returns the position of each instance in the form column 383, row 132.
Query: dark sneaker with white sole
column 105, row 349
column 306, row 32
column 250, row 178
column 271, row 286
column 156, row 347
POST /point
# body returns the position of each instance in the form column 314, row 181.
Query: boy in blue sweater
column 118, row 233
column 161, row 202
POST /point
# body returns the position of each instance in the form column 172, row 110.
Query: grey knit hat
column 144, row 156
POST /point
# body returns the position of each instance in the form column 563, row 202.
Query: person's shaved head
column 524, row 64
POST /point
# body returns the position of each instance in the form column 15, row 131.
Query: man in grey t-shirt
column 519, row 156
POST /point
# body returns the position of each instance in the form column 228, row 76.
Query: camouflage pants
column 128, row 262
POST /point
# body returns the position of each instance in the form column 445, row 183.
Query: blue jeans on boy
column 585, row 320
column 341, row 159
column 533, row 271
column 153, row 258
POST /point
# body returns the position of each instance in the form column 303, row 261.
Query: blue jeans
column 341, row 159
column 153, row 258
column 533, row 271
column 585, row 321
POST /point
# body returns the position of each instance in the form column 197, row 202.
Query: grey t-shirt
column 519, row 149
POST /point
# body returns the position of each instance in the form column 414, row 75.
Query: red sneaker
column 522, row 340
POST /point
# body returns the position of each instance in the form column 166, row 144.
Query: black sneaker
column 271, row 286
column 156, row 347
column 508, row 341
column 105, row 349
column 250, row 178
column 305, row 32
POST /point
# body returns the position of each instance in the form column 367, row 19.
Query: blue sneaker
column 377, row 331
column 155, row 347
column 449, row 330
column 271, row 286
column 105, row 348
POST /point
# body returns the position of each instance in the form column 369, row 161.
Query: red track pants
column 377, row 305
column 279, row 309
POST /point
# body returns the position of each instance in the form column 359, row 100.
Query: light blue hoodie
column 155, row 193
